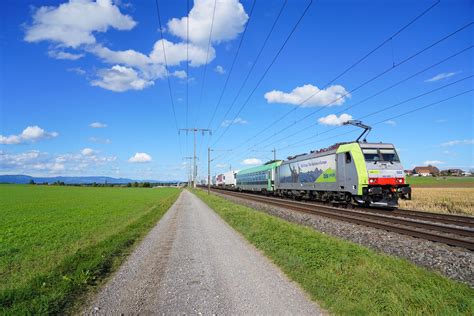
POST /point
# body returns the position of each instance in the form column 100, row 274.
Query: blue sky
column 68, row 65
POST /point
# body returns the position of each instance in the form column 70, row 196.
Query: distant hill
column 24, row 179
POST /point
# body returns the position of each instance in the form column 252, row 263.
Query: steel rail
column 372, row 220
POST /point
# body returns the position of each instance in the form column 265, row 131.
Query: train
column 358, row 173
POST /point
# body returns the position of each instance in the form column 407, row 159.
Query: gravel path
column 455, row 263
column 192, row 262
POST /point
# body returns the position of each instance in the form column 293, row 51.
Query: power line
column 207, row 60
column 346, row 70
column 187, row 63
column 167, row 72
column 232, row 65
column 360, row 86
column 379, row 92
column 390, row 107
column 268, row 68
column 255, row 61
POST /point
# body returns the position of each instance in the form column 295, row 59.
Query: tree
column 32, row 182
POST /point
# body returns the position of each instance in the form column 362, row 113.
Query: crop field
column 441, row 182
column 442, row 200
column 56, row 241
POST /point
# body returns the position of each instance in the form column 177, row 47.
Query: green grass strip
column 343, row 277
column 60, row 289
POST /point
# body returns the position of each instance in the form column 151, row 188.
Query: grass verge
column 60, row 287
column 345, row 278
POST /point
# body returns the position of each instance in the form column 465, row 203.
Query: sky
column 85, row 88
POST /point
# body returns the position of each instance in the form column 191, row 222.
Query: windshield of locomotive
column 374, row 155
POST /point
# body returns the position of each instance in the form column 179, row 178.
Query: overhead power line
column 360, row 86
column 232, row 65
column 254, row 62
column 267, row 69
column 385, row 41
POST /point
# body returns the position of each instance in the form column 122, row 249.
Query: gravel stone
column 192, row 262
column 453, row 262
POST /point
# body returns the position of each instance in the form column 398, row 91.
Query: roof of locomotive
column 333, row 149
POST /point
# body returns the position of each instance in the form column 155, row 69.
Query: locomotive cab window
column 389, row 155
column 348, row 157
column 371, row 154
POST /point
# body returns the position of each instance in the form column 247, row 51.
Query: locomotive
column 368, row 174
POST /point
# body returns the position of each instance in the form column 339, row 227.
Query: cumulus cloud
column 87, row 152
column 64, row 55
column 29, row 134
column 251, row 161
column 219, row 69
column 391, row 122
column 334, row 120
column 433, row 162
column 229, row 21
column 237, row 121
column 119, row 79
column 73, row 23
column 442, row 76
column 458, row 142
column 140, row 158
column 98, row 125
column 333, row 95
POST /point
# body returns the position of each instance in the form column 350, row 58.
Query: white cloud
column 229, row 21
column 251, row 161
column 64, row 55
column 237, row 121
column 333, row 120
column 119, row 79
column 140, row 157
column 181, row 74
column 33, row 161
column 87, row 152
column 441, row 76
column 433, row 162
column 390, row 122
column 98, row 125
column 221, row 165
column 176, row 53
column 333, row 95
column 73, row 23
column 220, row 70
column 29, row 134
column 441, row 121
column 77, row 70
column 458, row 142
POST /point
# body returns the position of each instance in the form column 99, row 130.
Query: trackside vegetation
column 343, row 277
column 57, row 242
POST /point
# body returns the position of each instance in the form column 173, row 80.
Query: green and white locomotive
column 356, row 172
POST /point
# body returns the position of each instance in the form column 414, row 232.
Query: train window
column 371, row 155
column 389, row 155
column 348, row 157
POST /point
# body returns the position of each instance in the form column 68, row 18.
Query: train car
column 229, row 179
column 364, row 173
column 261, row 178
column 220, row 180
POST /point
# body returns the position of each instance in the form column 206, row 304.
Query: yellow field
column 441, row 200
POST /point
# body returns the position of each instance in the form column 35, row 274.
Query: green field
column 462, row 182
column 56, row 241
column 345, row 278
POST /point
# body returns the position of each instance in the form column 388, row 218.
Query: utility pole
column 189, row 173
column 195, row 130
column 274, row 154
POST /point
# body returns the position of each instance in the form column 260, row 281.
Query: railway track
column 452, row 230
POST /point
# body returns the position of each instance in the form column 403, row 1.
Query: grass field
column 442, row 182
column 441, row 200
column 57, row 241
column 345, row 278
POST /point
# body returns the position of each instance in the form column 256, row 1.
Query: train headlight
column 372, row 180
column 400, row 180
